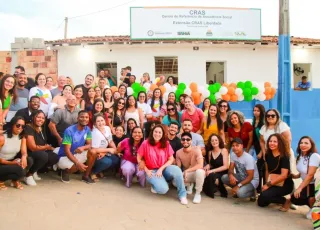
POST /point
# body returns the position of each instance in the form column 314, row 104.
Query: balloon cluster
column 135, row 89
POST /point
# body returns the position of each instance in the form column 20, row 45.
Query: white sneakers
column 153, row 191
column 184, row 200
column 36, row 177
column 197, row 198
column 30, row 181
column 309, row 214
column 190, row 188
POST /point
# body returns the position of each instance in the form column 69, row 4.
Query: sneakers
column 88, row 180
column 30, row 181
column 190, row 188
column 153, row 191
column 64, row 175
column 309, row 214
column 184, row 200
column 197, row 198
column 293, row 207
column 36, row 177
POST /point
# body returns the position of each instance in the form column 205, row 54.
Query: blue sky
column 41, row 18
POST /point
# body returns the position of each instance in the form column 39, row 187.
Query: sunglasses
column 271, row 115
column 172, row 109
column 223, row 106
column 20, row 126
column 185, row 139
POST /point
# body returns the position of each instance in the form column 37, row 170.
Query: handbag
column 273, row 176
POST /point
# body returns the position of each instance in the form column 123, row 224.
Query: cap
column 186, row 134
column 237, row 140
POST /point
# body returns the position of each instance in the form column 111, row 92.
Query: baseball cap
column 237, row 140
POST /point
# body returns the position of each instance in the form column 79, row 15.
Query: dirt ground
column 108, row 204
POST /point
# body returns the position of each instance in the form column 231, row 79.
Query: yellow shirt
column 208, row 131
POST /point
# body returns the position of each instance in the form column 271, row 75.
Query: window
column 111, row 66
column 302, row 76
column 215, row 72
column 167, row 66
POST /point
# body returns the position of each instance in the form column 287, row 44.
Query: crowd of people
column 93, row 128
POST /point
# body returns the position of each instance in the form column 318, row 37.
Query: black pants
column 262, row 173
column 305, row 195
column 42, row 159
column 210, row 187
column 275, row 194
column 14, row 172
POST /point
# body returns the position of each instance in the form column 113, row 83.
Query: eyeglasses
column 185, row 139
column 271, row 115
column 172, row 109
column 223, row 106
column 20, row 126
column 121, row 103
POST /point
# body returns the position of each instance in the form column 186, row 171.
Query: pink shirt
column 155, row 156
column 196, row 118
column 126, row 149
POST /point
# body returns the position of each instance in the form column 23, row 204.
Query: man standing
column 88, row 83
column 197, row 139
column 33, row 105
column 101, row 75
column 73, row 152
column 62, row 119
column 62, row 81
column 246, row 179
column 174, row 141
column 190, row 160
column 20, row 69
column 102, row 84
column 111, row 79
column 23, row 93
column 303, row 85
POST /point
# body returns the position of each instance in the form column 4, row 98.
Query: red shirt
column 196, row 118
column 155, row 156
column 244, row 135
column 126, row 149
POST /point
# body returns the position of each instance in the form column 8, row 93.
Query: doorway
column 167, row 66
column 111, row 66
column 215, row 72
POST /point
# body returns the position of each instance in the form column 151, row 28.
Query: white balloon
column 262, row 97
column 129, row 91
column 188, row 91
column 223, row 90
column 206, row 93
column 238, row 91
column 255, row 84
column 201, row 89
column 240, row 97
column 147, row 86
column 218, row 95
column 173, row 89
column 167, row 86
column 165, row 96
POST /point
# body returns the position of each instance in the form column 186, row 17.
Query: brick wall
column 5, row 62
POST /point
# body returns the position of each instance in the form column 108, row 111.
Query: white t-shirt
column 146, row 109
column 45, row 98
column 156, row 108
column 266, row 133
column 244, row 163
column 99, row 140
column 302, row 164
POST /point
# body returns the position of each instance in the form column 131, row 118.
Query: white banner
column 195, row 23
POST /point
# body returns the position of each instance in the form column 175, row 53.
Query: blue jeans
column 171, row 172
column 245, row 191
column 105, row 163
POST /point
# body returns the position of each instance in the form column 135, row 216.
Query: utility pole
column 65, row 27
column 284, row 62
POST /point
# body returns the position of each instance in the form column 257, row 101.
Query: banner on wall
column 148, row 23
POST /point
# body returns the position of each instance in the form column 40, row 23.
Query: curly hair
column 239, row 115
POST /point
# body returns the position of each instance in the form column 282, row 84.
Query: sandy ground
column 108, row 204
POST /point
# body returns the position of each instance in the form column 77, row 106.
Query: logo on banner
column 150, row 33
column 183, row 33
column 240, row 33
column 209, row 32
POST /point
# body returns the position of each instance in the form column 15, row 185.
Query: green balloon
column 178, row 94
column 240, row 85
column 217, row 85
column 254, row 90
column 142, row 89
column 247, row 92
column 248, row 84
column 182, row 86
column 135, row 86
column 212, row 99
column 248, row 98
column 135, row 94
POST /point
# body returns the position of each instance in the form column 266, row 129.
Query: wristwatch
column 239, row 185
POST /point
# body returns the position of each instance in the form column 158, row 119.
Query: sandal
column 94, row 177
column 3, row 187
column 282, row 209
column 17, row 185
column 101, row 175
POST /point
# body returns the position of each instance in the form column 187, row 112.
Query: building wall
column 5, row 62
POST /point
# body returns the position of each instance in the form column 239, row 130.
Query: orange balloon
column 273, row 91
column 267, row 84
column 268, row 96
column 196, row 97
column 225, row 84
column 233, row 85
column 153, row 87
column 163, row 89
column 267, row 90
column 193, row 86
column 226, row 97
column 114, row 88
column 231, row 90
column 234, row 98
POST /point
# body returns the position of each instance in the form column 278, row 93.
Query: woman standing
column 123, row 91
column 38, row 149
column 155, row 103
column 132, row 111
column 98, row 92
column 8, row 94
column 41, row 91
column 277, row 171
column 212, row 124
column 173, row 115
column 308, row 161
column 14, row 160
column 49, row 84
column 205, row 106
column 218, row 159
column 257, row 123
column 224, row 108
column 158, row 158
column 87, row 103
column 129, row 164
column 118, row 114
column 131, row 124
column 171, row 81
column 78, row 93
column 142, row 104
column 60, row 101
column 98, row 108
column 108, row 100
column 171, row 100
column 103, row 149
column 145, row 79
column 192, row 113
column 181, row 101
column 238, row 127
